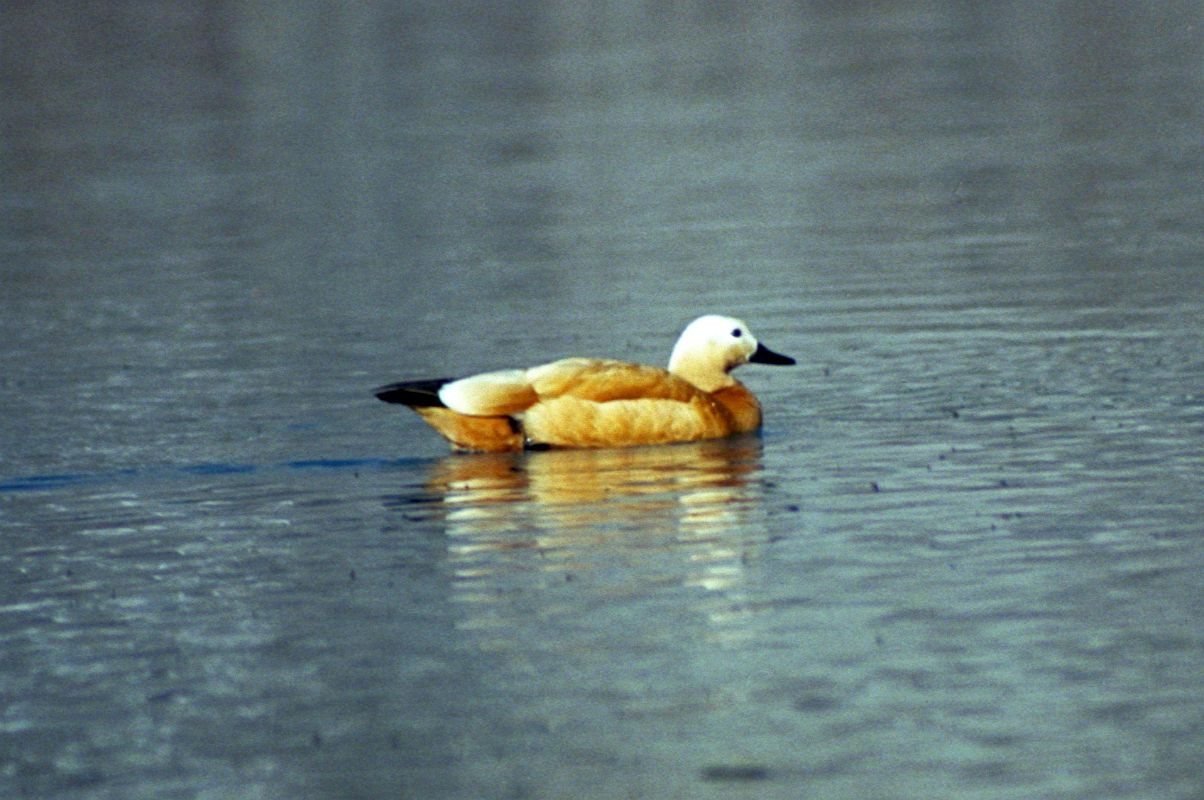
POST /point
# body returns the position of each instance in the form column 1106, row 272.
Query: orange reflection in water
column 696, row 484
column 519, row 525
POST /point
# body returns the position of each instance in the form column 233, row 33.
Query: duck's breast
column 742, row 406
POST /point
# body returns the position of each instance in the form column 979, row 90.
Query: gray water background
column 963, row 560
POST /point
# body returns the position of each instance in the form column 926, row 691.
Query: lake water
column 963, row 560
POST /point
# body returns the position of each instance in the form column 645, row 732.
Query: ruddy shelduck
column 588, row 402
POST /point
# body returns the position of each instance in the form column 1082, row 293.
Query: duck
column 594, row 402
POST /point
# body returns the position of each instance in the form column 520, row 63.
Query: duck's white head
column 712, row 346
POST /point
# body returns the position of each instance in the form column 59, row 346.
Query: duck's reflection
column 522, row 528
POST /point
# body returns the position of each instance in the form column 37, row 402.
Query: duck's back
column 604, row 380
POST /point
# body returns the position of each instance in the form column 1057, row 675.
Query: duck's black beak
column 763, row 355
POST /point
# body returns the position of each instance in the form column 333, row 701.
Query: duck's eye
column 737, row 333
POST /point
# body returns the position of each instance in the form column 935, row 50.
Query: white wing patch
column 490, row 394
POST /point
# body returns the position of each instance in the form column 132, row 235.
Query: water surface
column 962, row 560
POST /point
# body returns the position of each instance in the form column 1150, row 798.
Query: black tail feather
column 423, row 393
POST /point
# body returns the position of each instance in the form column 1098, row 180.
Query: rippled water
column 963, row 559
